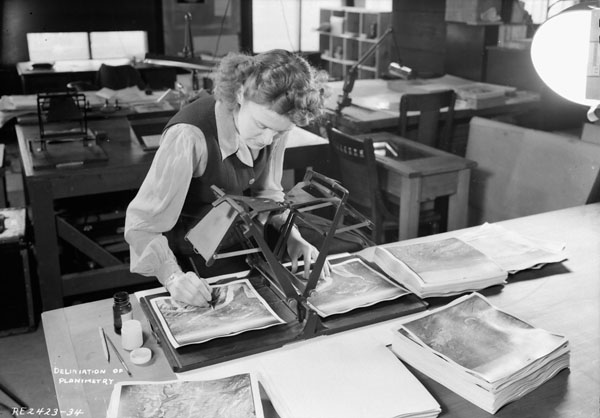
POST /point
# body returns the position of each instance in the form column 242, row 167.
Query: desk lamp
column 566, row 55
column 394, row 69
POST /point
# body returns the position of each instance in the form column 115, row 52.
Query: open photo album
column 439, row 268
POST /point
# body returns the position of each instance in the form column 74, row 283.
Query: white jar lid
column 140, row 355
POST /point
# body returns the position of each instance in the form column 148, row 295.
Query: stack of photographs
column 483, row 354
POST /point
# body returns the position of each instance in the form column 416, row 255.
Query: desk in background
column 376, row 105
column 63, row 72
column 124, row 170
column 419, row 174
column 562, row 298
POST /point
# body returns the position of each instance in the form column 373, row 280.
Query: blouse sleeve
column 159, row 201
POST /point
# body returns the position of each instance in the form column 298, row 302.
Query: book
column 238, row 308
column 441, row 267
column 352, row 284
column 231, row 396
column 482, row 353
column 346, row 376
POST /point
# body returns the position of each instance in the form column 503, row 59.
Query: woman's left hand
column 298, row 247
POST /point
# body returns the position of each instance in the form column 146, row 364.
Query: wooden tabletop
column 563, row 298
column 415, row 159
column 375, row 102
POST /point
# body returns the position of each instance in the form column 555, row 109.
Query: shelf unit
column 361, row 28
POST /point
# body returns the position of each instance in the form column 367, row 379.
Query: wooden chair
column 434, row 127
column 357, row 170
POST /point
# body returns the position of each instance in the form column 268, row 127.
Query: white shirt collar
column 229, row 137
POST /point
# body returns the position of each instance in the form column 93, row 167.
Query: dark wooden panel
column 419, row 30
column 430, row 6
column 466, row 49
column 512, row 67
column 426, row 63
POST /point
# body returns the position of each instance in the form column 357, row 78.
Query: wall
column 21, row 16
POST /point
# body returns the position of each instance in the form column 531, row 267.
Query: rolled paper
column 131, row 334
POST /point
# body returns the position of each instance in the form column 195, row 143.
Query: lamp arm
column 350, row 78
column 188, row 49
column 188, row 41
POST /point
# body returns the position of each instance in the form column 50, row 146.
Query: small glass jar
column 121, row 310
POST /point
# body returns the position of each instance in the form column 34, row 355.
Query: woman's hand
column 189, row 288
column 298, row 247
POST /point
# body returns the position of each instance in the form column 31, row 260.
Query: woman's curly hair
column 279, row 79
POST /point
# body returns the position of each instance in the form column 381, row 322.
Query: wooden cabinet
column 350, row 32
column 466, row 49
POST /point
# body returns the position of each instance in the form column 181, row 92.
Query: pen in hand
column 214, row 297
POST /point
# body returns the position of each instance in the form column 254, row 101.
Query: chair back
column 357, row 171
column 434, row 128
column 119, row 77
column 356, row 166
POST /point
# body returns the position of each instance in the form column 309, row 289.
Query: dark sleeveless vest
column 230, row 175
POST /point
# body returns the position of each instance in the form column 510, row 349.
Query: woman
column 234, row 140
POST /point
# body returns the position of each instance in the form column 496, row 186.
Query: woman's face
column 257, row 124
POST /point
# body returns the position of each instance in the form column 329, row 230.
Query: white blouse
column 182, row 154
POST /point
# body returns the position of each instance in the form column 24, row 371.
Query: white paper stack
column 342, row 377
column 439, row 268
column 513, row 251
column 480, row 352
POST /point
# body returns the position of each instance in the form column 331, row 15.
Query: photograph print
column 237, row 308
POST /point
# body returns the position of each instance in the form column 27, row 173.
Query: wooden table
column 125, row 169
column 63, row 72
column 419, row 174
column 563, row 298
column 362, row 116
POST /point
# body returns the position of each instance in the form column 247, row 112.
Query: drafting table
column 375, row 105
column 125, row 169
column 563, row 298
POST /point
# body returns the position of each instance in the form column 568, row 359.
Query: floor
column 24, row 366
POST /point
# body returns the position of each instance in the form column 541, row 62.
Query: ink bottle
column 121, row 310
